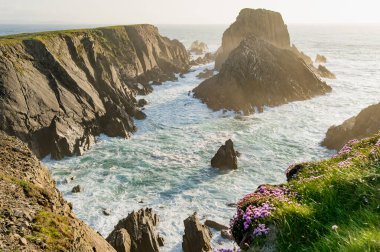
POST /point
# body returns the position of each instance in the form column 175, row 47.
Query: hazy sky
column 183, row 11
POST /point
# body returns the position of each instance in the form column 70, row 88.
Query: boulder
column 226, row 157
column 141, row 228
column 226, row 234
column 198, row 47
column 325, row 73
column 365, row 124
column 76, row 189
column 258, row 74
column 320, row 59
column 215, row 225
column 141, row 103
column 205, row 74
column 197, row 237
column 263, row 24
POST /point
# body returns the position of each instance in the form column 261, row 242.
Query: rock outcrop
column 205, row 74
column 320, row 59
column 258, row 74
column 197, row 237
column 226, row 157
column 198, row 47
column 263, row 24
column 207, row 58
column 136, row 233
column 58, row 90
column 365, row 124
column 325, row 73
column 33, row 214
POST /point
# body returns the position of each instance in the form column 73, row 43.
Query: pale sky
column 183, row 12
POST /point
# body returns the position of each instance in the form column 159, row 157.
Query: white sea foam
column 166, row 163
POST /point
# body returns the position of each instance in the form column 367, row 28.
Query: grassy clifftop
column 331, row 205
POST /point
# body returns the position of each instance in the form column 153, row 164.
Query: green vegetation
column 331, row 205
column 54, row 230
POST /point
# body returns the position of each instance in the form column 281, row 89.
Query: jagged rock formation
column 198, row 47
column 136, row 233
column 320, row 59
column 258, row 74
column 226, row 157
column 33, row 214
column 207, row 58
column 197, row 237
column 58, row 90
column 366, row 123
column 325, row 73
column 264, row 24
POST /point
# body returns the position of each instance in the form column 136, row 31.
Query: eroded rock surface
column 263, row 24
column 365, row 124
column 197, row 237
column 59, row 90
column 258, row 74
column 137, row 233
column 33, row 214
column 198, row 47
column 226, row 157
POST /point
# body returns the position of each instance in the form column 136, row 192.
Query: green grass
column 54, row 230
column 331, row 195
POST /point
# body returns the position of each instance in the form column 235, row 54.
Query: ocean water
column 166, row 164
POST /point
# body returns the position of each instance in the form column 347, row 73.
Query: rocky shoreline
column 61, row 89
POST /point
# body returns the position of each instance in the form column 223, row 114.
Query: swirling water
column 165, row 165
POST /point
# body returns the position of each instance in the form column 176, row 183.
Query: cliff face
column 366, row 123
column 258, row 74
column 33, row 214
column 60, row 89
column 264, row 24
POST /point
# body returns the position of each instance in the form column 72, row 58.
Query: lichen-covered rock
column 58, row 90
column 141, row 227
column 33, row 214
column 366, row 123
column 258, row 74
column 264, row 24
column 197, row 237
column 226, row 157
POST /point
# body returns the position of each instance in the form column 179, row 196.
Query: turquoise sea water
column 166, row 164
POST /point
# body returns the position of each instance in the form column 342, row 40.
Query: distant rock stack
column 263, row 24
column 257, row 67
column 365, row 124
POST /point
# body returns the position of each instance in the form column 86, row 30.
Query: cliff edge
column 58, row 90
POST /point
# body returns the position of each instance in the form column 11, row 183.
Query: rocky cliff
column 258, row 74
column 366, row 123
column 58, row 90
column 264, row 24
column 33, row 214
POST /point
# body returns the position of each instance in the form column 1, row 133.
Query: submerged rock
column 366, row 123
column 141, row 103
column 320, row 59
column 263, row 24
column 198, row 47
column 258, row 74
column 141, row 228
column 197, row 237
column 226, row 157
column 76, row 189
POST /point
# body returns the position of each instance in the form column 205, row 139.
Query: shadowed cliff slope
column 60, row 89
column 366, row 123
column 33, row 214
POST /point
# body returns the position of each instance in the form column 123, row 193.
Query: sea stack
column 262, row 70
